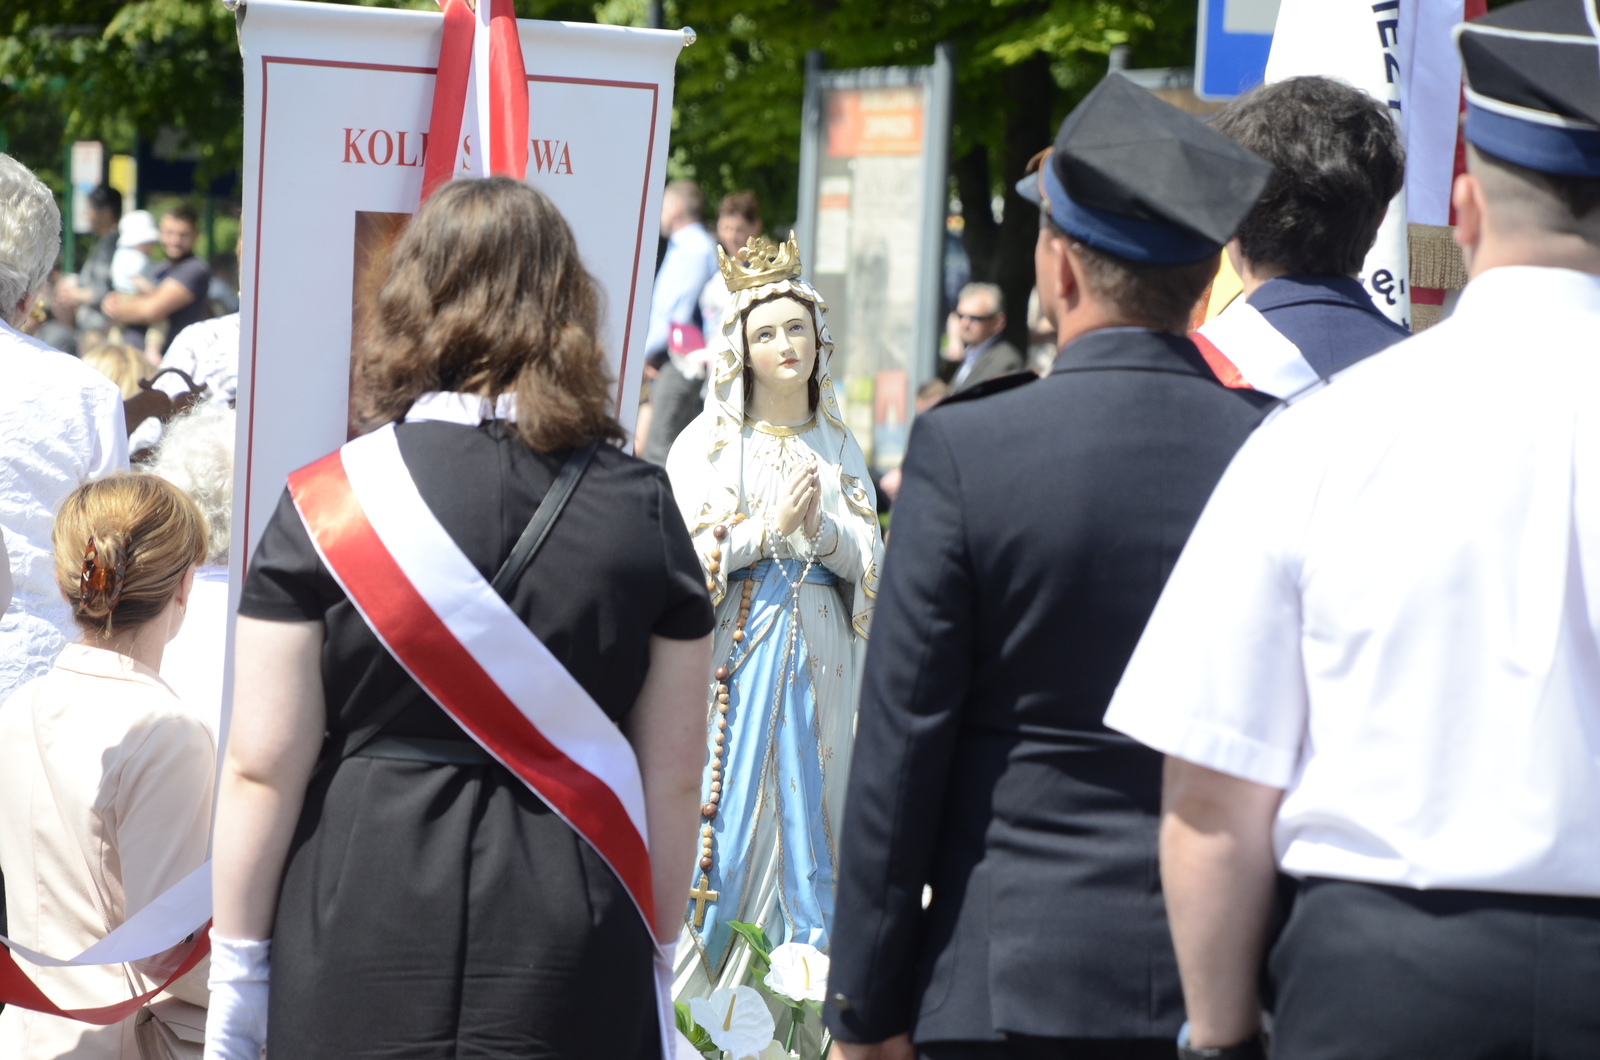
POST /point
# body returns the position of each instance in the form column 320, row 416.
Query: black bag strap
column 504, row 582
column 538, row 528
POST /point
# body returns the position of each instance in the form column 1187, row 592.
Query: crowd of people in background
column 1203, row 712
column 690, row 301
column 687, row 308
column 133, row 312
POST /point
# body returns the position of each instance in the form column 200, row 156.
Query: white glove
column 236, row 1022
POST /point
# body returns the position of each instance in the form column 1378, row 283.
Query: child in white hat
column 130, row 265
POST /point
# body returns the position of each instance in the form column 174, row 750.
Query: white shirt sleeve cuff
column 1207, row 745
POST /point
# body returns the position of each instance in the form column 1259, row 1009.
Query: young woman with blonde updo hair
column 105, row 778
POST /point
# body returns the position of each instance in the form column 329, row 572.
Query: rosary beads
column 702, row 893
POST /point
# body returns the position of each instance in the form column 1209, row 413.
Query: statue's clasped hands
column 801, row 501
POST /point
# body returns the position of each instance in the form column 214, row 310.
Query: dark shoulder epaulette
column 999, row 384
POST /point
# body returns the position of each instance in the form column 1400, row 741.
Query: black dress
column 441, row 910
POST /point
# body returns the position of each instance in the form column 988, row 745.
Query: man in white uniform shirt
column 61, row 424
column 1376, row 665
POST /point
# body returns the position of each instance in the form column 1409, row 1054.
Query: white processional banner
column 337, row 106
column 1431, row 68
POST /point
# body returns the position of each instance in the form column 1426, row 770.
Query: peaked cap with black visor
column 1139, row 179
column 1533, row 85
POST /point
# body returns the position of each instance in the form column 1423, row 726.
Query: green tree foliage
column 1020, row 66
column 110, row 70
column 114, row 69
column 106, row 70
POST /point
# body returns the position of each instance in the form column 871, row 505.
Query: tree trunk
column 979, row 234
column 1032, row 91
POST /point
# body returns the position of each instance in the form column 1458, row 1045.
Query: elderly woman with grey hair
column 196, row 455
column 61, row 424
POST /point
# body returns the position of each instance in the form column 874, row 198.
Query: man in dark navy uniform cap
column 1376, row 667
column 1031, row 538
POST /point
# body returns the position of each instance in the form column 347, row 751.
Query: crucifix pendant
column 700, row 896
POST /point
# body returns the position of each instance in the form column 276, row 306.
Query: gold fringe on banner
column 1435, row 258
column 1424, row 316
column 1435, row 262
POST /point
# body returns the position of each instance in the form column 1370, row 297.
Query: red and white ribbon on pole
column 458, row 639
column 480, row 97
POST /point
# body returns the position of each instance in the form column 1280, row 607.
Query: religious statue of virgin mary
column 775, row 492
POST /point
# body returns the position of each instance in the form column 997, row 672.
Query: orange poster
column 874, row 121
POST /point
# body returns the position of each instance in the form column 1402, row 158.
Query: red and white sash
column 183, row 910
column 463, row 644
column 1248, row 353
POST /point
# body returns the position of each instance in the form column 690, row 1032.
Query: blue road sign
column 1231, row 51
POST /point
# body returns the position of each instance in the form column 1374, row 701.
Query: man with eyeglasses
column 979, row 321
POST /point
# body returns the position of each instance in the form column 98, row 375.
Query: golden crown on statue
column 761, row 261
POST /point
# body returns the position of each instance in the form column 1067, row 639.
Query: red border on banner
column 261, row 164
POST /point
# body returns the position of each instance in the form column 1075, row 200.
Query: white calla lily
column 737, row 1020
column 775, row 1051
column 799, row 972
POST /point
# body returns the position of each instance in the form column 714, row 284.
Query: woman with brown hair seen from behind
column 105, row 778
column 394, row 889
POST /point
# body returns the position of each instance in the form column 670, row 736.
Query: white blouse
column 61, row 424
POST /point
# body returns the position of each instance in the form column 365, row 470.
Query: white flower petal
column 737, row 1020
column 799, row 972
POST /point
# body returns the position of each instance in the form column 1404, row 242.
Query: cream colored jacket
column 122, row 814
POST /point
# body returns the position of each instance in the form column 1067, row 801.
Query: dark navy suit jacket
column 1034, row 531
column 1330, row 318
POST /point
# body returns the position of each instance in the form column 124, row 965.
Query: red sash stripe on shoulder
column 1226, row 372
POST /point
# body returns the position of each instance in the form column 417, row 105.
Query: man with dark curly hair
column 1303, row 315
